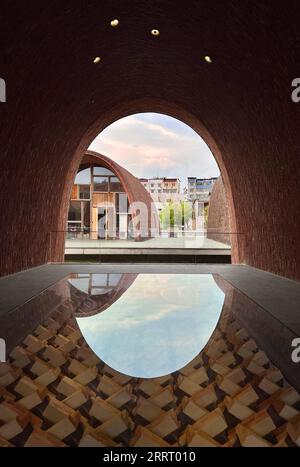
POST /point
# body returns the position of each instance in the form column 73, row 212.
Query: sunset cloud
column 150, row 145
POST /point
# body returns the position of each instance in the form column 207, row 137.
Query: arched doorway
column 71, row 98
column 141, row 106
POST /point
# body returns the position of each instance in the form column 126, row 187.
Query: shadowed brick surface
column 58, row 101
column 218, row 225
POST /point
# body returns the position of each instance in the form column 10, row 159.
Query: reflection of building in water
column 56, row 392
column 100, row 198
column 92, row 293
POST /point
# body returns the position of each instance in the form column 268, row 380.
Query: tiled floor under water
column 55, row 391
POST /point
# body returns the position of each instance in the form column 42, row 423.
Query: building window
column 84, row 191
column 121, row 203
column 83, row 177
column 101, row 171
column 86, row 214
column 101, row 184
column 115, row 185
column 75, row 211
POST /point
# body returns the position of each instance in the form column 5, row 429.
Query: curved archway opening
column 147, row 113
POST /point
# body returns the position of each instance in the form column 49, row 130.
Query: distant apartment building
column 163, row 189
column 199, row 189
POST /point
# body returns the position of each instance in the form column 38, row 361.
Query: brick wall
column 218, row 227
column 58, row 101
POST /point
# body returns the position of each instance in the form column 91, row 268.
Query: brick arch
column 59, row 98
column 132, row 186
column 171, row 109
column 134, row 189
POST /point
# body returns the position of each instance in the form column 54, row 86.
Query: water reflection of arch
column 93, row 293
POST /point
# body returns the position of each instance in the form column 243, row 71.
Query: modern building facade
column 163, row 189
column 200, row 188
column 100, row 202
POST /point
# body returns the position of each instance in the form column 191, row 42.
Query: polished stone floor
column 242, row 389
column 276, row 294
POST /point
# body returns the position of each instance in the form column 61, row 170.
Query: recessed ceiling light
column 114, row 23
column 96, row 60
column 155, row 32
column 207, row 59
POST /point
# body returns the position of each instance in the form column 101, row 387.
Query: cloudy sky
column 152, row 144
column 159, row 324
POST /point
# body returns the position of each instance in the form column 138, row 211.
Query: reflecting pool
column 61, row 378
column 156, row 326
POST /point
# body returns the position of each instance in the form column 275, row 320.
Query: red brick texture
column 218, row 226
column 58, row 100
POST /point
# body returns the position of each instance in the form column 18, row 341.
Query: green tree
column 176, row 214
column 206, row 208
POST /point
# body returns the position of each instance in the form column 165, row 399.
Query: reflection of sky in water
column 158, row 325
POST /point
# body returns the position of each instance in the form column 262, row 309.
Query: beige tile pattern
column 54, row 391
